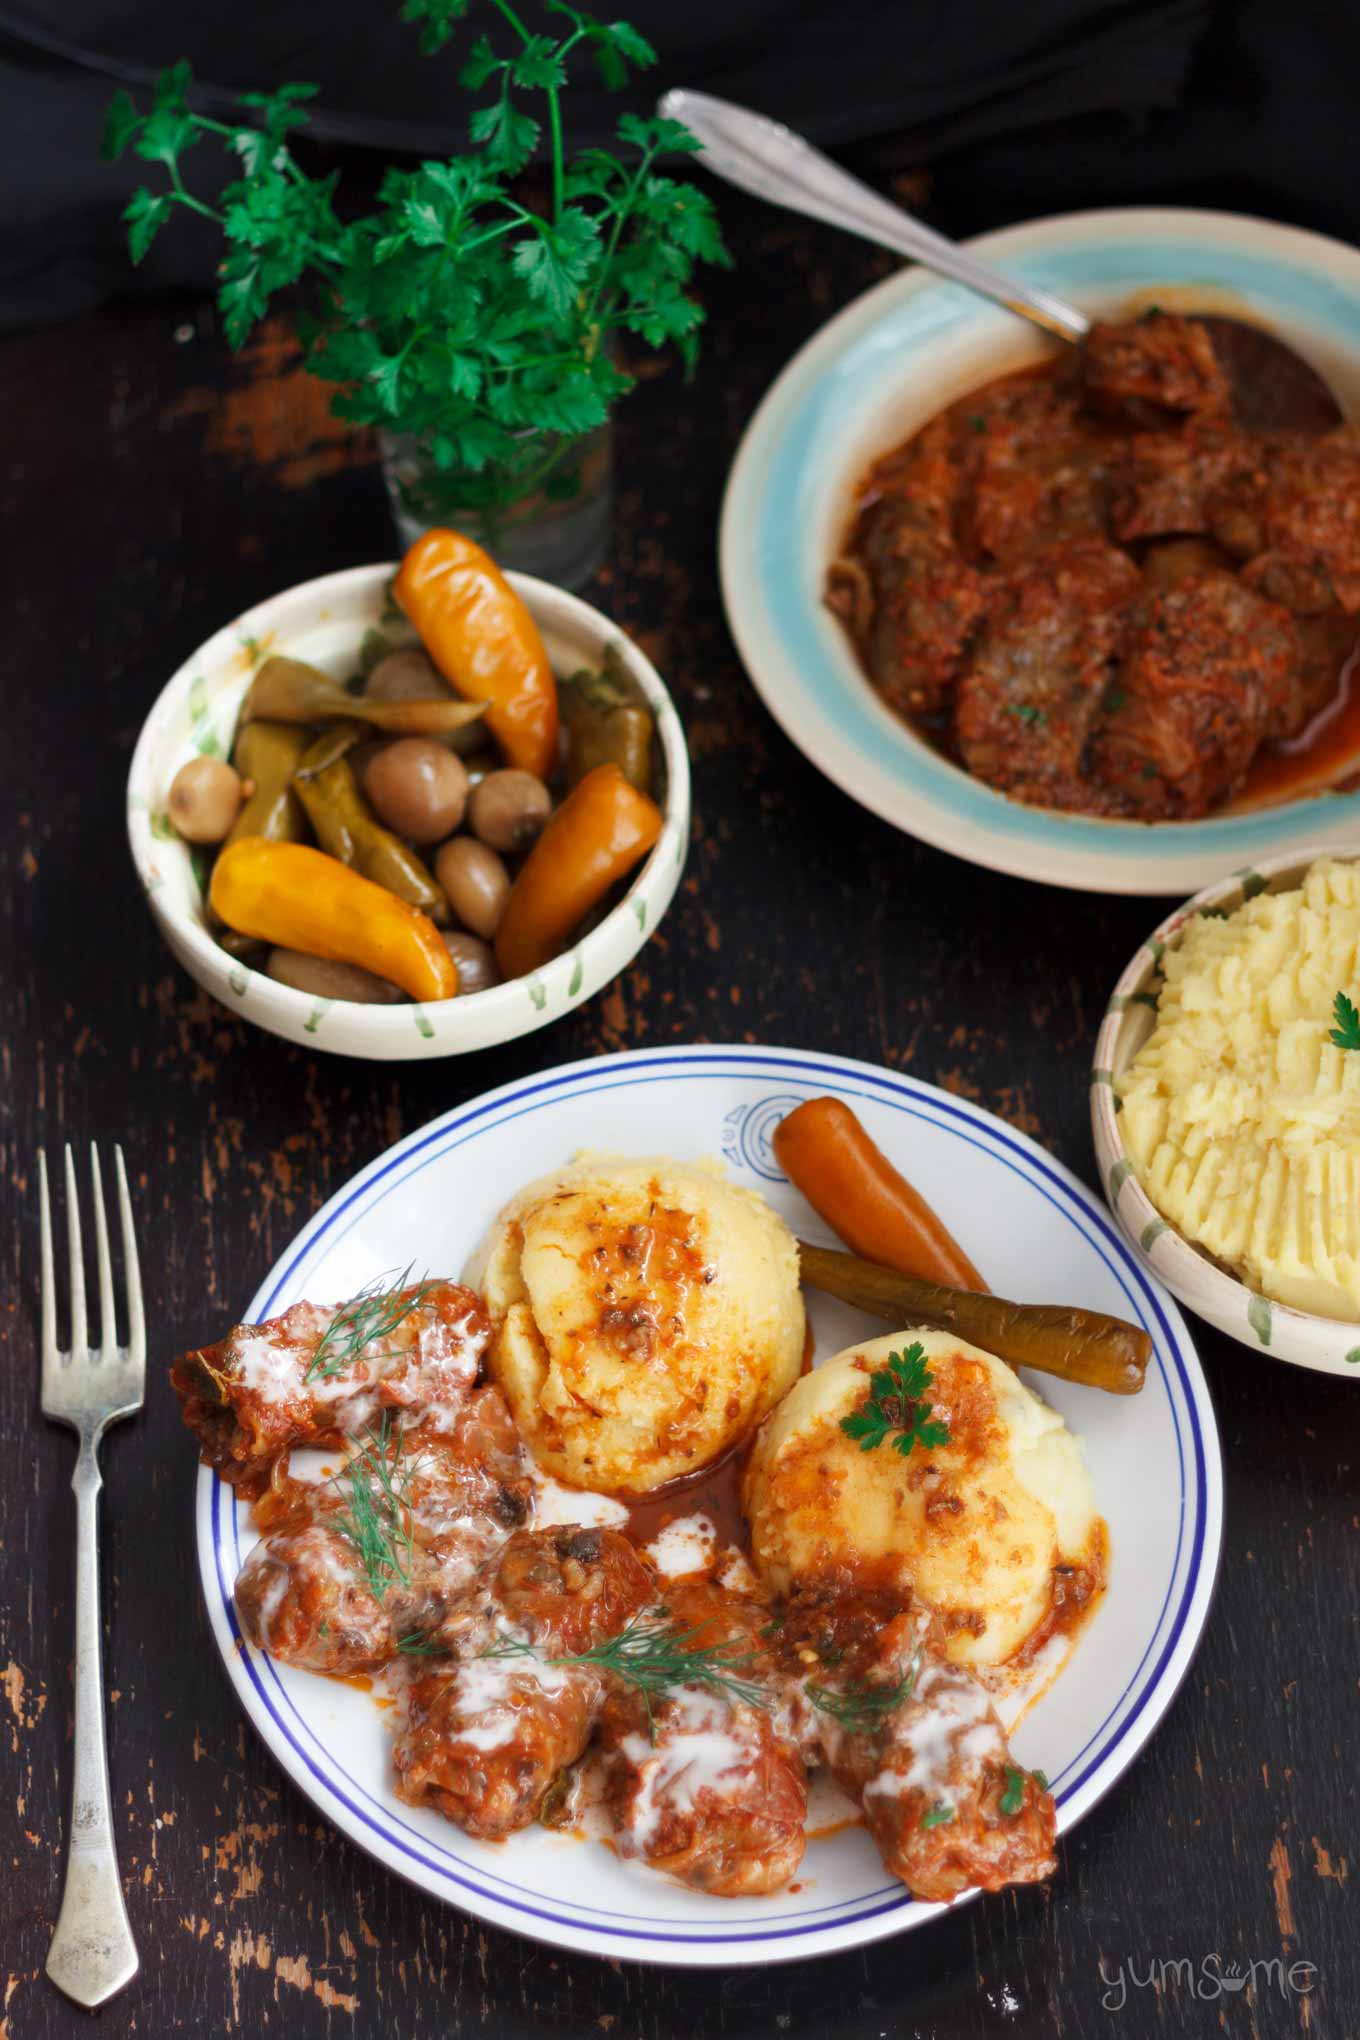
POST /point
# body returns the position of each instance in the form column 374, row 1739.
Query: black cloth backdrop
column 1039, row 106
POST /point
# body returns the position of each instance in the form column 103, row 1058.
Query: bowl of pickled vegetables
column 412, row 811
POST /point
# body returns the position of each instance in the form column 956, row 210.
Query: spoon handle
column 761, row 156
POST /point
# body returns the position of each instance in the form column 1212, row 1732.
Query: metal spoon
column 1273, row 386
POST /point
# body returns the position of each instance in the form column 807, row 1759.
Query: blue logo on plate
column 748, row 1134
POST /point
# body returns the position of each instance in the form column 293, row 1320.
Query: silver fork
column 93, row 1953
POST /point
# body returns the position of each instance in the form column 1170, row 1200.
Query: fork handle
column 93, row 1953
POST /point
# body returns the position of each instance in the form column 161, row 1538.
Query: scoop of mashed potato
column 975, row 1527
column 646, row 1314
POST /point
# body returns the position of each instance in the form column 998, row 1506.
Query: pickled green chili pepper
column 290, row 691
column 325, row 746
column 347, row 828
column 607, row 725
column 1059, row 1339
column 268, row 754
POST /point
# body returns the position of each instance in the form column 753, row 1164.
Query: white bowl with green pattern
column 1201, row 1282
column 324, row 622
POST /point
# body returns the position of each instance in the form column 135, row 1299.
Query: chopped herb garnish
column 654, row 1654
column 416, row 1645
column 378, row 1521
column 1041, row 1779
column 373, row 1314
column 861, row 1707
column 1115, row 699
column 978, row 422
column 938, row 1815
column 1027, row 713
column 1013, row 1798
column 1346, row 1032
column 896, row 1402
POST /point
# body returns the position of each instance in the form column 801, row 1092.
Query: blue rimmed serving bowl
column 875, row 374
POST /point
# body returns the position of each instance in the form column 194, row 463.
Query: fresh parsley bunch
column 455, row 312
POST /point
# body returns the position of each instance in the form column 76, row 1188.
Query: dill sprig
column 419, row 1645
column 860, row 1708
column 654, row 1654
column 378, row 1522
column 374, row 1314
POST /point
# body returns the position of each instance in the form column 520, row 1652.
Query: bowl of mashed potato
column 1225, row 1106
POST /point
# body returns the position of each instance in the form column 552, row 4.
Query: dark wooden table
column 152, row 489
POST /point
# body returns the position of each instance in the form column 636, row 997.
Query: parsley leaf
column 438, row 19
column 896, row 1403
column 1346, row 1031
column 120, row 124
column 145, row 217
column 556, row 264
column 508, row 136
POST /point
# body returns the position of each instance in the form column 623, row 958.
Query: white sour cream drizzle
column 951, row 1723
column 554, row 1504
column 688, row 1545
column 695, row 1751
column 488, row 1690
column 436, row 1357
column 272, row 1599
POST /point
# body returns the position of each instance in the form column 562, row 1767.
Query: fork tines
column 57, row 1367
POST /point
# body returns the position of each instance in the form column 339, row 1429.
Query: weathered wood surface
column 152, row 489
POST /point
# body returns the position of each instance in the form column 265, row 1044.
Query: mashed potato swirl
column 1240, row 1115
column 989, row 1531
column 646, row 1314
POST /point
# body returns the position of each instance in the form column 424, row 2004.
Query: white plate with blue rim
column 871, row 377
column 1039, row 1235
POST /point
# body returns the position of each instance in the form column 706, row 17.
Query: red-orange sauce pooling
column 1074, row 1591
column 715, row 1492
column 1325, row 756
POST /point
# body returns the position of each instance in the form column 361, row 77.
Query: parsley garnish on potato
column 896, row 1404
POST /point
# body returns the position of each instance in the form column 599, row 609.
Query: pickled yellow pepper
column 299, row 898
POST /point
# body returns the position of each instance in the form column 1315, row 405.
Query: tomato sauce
column 715, row 1492
column 1323, row 757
